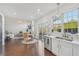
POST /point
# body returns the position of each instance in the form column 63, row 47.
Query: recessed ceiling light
column 20, row 22
column 38, row 10
column 32, row 17
column 14, row 13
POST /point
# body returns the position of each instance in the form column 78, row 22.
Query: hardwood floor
column 48, row 53
column 16, row 48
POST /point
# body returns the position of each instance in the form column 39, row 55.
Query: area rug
column 29, row 41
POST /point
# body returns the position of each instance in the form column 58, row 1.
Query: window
column 70, row 21
column 57, row 24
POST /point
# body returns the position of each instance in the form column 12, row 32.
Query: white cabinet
column 61, row 47
column 75, row 50
column 65, row 48
column 47, row 43
column 55, row 46
column 50, row 44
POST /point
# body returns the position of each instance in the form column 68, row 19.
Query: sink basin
column 59, row 37
column 68, row 39
column 64, row 38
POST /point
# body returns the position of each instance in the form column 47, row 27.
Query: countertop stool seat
column 27, row 39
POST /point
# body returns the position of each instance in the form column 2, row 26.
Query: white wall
column 0, row 29
column 15, row 25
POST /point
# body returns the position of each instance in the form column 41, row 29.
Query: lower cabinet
column 61, row 48
column 75, row 50
column 48, row 43
column 55, row 46
column 65, row 48
column 45, row 39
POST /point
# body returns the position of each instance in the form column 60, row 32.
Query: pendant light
column 57, row 12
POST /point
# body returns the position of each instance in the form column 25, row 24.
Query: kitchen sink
column 59, row 37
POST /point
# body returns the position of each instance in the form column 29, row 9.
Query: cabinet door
column 75, row 50
column 48, row 43
column 55, row 46
column 45, row 41
column 65, row 48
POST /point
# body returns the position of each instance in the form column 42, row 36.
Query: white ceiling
column 27, row 11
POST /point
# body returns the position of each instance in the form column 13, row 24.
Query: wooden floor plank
column 16, row 48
